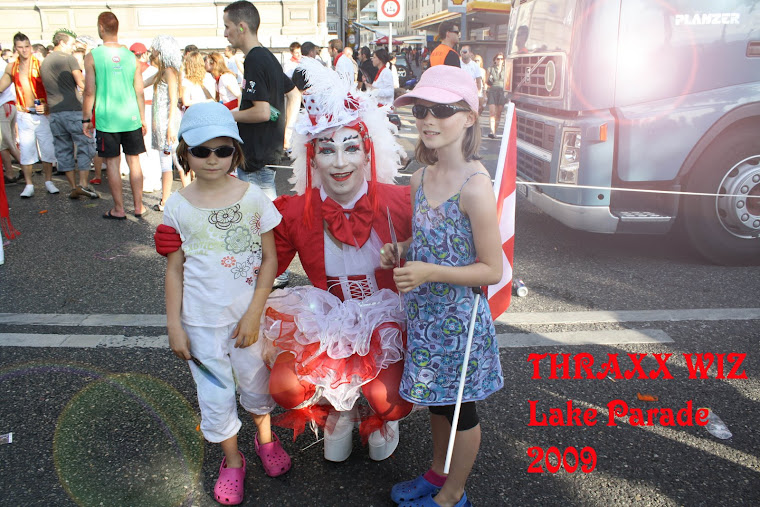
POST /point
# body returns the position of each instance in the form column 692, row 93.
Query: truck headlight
column 569, row 162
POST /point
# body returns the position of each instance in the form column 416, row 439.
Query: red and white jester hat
column 332, row 102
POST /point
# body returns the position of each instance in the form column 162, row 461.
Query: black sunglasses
column 438, row 111
column 204, row 152
column 454, row 31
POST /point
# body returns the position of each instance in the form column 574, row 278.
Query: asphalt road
column 114, row 424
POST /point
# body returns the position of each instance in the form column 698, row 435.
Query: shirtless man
column 31, row 117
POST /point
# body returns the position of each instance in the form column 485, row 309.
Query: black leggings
column 468, row 414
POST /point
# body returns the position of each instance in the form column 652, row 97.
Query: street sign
column 391, row 11
column 457, row 6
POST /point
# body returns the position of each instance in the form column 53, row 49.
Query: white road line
column 611, row 337
column 81, row 340
column 506, row 340
column 707, row 314
column 513, row 319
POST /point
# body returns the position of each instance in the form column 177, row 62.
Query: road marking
column 611, row 337
column 81, row 341
column 506, row 340
column 615, row 317
column 512, row 319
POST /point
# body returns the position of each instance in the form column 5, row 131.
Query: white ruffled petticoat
column 339, row 345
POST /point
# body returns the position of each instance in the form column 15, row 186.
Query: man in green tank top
column 114, row 87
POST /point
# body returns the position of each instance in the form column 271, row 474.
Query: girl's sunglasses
column 204, row 152
column 438, row 111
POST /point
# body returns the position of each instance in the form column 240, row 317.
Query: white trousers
column 241, row 368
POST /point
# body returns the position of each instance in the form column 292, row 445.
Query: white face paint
column 340, row 162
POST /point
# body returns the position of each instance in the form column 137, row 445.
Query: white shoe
column 381, row 447
column 28, row 191
column 339, row 441
column 50, row 187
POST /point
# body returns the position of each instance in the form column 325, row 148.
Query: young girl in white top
column 216, row 288
column 227, row 88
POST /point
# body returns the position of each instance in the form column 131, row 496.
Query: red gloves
column 167, row 240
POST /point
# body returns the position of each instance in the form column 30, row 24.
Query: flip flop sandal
column 229, row 485
column 427, row 501
column 273, row 457
column 408, row 491
column 158, row 207
column 109, row 216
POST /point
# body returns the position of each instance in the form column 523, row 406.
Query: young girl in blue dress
column 455, row 245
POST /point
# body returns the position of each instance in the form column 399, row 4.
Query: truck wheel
column 726, row 230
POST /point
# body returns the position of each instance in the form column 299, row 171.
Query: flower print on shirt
column 255, row 223
column 224, row 218
column 238, row 240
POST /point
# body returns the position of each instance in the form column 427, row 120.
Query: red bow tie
column 353, row 231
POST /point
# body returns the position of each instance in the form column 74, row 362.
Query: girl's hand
column 388, row 256
column 179, row 343
column 412, row 275
column 247, row 331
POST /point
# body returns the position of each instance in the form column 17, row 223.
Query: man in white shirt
column 472, row 68
column 340, row 62
column 234, row 61
column 295, row 56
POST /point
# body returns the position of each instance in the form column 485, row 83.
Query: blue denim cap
column 205, row 121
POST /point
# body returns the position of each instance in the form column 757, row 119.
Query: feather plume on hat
column 331, row 102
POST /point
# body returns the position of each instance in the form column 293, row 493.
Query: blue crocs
column 427, row 501
column 412, row 490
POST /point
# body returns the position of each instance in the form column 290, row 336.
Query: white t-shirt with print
column 223, row 255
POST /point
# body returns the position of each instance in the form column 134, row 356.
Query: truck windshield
column 542, row 25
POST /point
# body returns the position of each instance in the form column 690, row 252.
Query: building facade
column 196, row 22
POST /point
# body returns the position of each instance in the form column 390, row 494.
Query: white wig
column 169, row 51
column 332, row 102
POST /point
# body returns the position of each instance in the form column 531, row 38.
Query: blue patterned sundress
column 439, row 314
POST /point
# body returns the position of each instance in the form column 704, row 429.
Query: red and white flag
column 500, row 295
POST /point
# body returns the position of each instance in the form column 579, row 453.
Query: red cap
column 138, row 48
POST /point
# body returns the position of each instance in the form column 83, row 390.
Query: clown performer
column 342, row 337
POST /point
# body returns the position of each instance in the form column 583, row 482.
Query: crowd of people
column 370, row 325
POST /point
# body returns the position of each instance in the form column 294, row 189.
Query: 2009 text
column 553, row 460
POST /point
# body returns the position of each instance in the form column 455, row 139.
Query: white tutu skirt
column 339, row 345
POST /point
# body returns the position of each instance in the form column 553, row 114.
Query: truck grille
column 537, row 134
column 532, row 168
column 535, row 82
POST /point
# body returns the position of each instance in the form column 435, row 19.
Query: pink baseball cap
column 443, row 84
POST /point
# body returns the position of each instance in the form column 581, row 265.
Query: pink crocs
column 273, row 457
column 229, row 485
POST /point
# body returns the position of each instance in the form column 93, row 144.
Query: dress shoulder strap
column 468, row 178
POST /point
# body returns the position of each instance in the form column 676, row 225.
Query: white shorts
column 34, row 132
column 7, row 119
column 214, row 348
